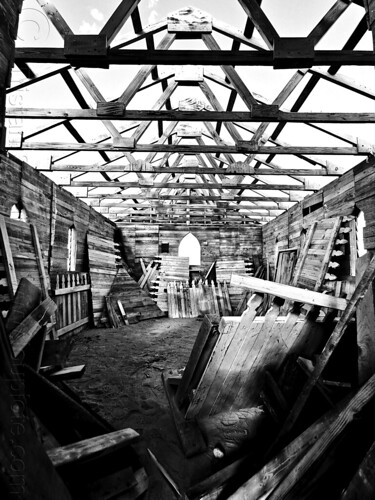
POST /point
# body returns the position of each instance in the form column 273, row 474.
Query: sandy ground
column 123, row 383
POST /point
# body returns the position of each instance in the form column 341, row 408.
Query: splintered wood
column 186, row 301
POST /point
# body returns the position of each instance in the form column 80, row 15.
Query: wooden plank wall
column 23, row 251
column 353, row 191
column 227, row 243
column 52, row 210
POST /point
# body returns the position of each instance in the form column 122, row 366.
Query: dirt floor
column 123, row 384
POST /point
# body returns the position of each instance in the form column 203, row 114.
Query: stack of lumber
column 186, row 301
column 127, row 301
column 169, row 269
column 224, row 271
column 102, row 266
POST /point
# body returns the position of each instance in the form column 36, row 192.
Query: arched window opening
column 361, row 224
column 72, row 249
column 190, row 247
column 18, row 212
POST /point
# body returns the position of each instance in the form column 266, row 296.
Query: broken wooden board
column 29, row 327
column 27, row 298
column 190, row 436
column 91, row 447
column 202, row 349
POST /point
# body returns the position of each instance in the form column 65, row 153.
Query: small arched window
column 72, row 249
column 190, row 247
column 18, row 212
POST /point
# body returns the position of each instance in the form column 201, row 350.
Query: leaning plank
column 25, row 331
column 87, row 448
column 6, row 251
column 188, row 432
column 335, row 337
column 207, row 330
column 333, row 432
column 289, row 292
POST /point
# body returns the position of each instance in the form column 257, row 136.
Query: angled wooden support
column 118, row 19
column 370, row 11
column 260, row 21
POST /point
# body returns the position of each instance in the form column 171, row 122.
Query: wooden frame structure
column 194, row 155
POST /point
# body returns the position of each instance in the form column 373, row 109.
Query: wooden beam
column 240, row 169
column 260, row 21
column 189, row 185
column 370, row 12
column 195, row 57
column 328, row 21
column 289, row 292
column 182, row 206
column 144, row 72
column 257, row 113
column 146, row 196
column 244, row 147
column 231, row 74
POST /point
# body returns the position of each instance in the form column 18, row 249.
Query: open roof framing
column 188, row 137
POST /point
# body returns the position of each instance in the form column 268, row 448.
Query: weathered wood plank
column 94, row 446
column 289, row 292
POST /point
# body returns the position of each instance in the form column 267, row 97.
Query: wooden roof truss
column 188, row 157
